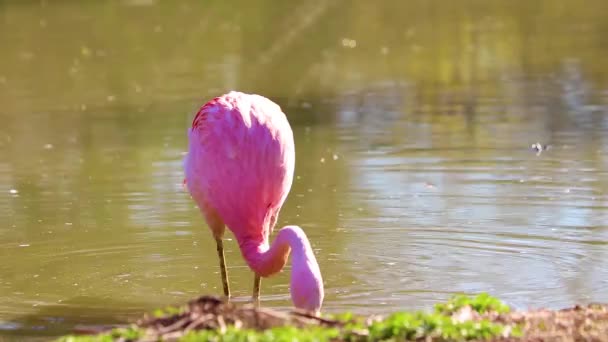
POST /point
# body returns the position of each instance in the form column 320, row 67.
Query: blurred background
column 413, row 120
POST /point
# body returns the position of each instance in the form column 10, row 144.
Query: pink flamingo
column 239, row 170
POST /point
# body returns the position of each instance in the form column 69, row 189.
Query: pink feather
column 239, row 170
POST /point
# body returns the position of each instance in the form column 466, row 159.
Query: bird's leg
column 220, row 254
column 257, row 280
column 256, row 290
column 217, row 228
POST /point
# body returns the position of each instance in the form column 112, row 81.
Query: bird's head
column 306, row 282
column 307, row 291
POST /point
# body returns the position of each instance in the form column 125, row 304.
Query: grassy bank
column 462, row 318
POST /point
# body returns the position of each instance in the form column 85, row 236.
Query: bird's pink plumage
column 241, row 162
column 239, row 170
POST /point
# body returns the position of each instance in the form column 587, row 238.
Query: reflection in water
column 413, row 124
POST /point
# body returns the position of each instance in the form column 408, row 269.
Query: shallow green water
column 413, row 125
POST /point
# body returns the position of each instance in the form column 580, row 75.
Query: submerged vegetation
column 211, row 319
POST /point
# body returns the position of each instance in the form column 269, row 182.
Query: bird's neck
column 306, row 282
column 266, row 260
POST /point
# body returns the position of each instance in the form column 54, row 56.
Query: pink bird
column 239, row 170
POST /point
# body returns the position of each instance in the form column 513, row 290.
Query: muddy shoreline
column 222, row 318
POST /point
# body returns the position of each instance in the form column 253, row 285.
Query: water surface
column 413, row 124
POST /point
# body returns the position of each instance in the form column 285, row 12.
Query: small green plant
column 280, row 334
column 168, row 311
column 131, row 333
column 413, row 326
column 481, row 303
column 96, row 338
column 396, row 327
column 343, row 317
